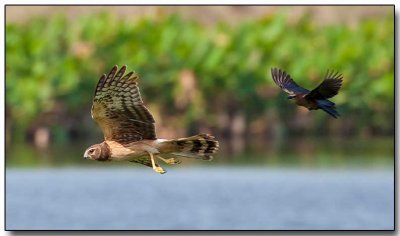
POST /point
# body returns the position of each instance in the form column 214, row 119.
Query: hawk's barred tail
column 201, row 146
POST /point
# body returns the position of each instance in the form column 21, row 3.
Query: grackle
column 314, row 99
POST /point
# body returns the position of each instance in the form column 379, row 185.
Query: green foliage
column 54, row 64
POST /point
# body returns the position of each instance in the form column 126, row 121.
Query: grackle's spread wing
column 287, row 84
column 328, row 88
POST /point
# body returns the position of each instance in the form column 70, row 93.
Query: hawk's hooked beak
column 86, row 155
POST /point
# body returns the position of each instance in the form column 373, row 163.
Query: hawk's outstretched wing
column 328, row 88
column 119, row 110
column 286, row 83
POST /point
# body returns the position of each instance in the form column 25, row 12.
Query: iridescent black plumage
column 314, row 99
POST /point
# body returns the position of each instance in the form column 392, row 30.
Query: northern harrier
column 314, row 99
column 128, row 127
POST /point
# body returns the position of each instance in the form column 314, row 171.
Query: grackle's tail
column 328, row 107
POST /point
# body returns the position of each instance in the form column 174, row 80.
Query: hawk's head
column 98, row 152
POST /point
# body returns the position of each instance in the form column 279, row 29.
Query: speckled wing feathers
column 118, row 108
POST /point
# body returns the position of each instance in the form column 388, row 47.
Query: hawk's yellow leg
column 156, row 168
column 171, row 161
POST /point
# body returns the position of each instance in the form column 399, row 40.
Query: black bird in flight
column 314, row 99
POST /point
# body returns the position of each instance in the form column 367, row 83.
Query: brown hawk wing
column 328, row 88
column 118, row 108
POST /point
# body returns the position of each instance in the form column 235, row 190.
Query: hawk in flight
column 314, row 99
column 129, row 131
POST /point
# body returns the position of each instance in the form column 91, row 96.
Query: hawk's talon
column 156, row 167
column 173, row 161
column 170, row 161
column 159, row 169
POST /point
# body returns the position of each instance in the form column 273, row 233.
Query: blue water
column 199, row 198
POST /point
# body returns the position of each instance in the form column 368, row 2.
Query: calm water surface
column 199, row 198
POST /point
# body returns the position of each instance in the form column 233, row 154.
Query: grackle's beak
column 291, row 97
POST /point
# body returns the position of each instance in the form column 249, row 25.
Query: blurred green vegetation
column 52, row 67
